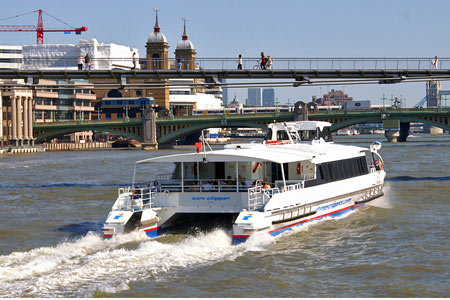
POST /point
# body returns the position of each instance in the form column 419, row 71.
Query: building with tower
column 157, row 49
column 185, row 52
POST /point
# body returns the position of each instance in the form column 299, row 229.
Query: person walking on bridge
column 239, row 61
column 434, row 63
column 80, row 62
column 87, row 62
column 269, row 62
column 134, row 61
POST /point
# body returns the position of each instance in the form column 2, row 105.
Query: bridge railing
column 221, row 63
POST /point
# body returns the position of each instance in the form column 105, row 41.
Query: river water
column 52, row 206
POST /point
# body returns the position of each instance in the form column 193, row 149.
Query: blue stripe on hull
column 332, row 215
column 238, row 240
column 152, row 233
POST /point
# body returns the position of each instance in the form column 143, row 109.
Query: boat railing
column 258, row 196
column 135, row 198
column 165, row 176
column 309, row 176
column 202, row 185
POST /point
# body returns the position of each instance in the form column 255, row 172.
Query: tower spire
column 156, row 28
column 184, row 36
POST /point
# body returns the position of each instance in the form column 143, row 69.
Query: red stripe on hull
column 316, row 217
column 151, row 229
column 241, row 236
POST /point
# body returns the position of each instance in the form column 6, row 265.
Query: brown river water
column 52, row 206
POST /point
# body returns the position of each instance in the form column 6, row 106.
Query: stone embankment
column 77, row 146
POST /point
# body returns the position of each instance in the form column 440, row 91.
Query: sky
column 284, row 28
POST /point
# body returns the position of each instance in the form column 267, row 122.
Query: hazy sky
column 290, row 28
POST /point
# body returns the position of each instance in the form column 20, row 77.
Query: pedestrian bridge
column 302, row 70
column 168, row 130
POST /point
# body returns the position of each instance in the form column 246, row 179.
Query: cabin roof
column 274, row 153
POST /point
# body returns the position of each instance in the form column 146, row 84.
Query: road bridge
column 395, row 121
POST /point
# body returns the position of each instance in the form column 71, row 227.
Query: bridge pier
column 391, row 130
column 392, row 135
column 149, row 132
column 404, row 131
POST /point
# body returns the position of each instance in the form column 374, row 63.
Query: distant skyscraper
column 254, row 97
column 224, row 93
column 268, row 97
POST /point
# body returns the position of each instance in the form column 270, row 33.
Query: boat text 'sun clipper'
column 295, row 176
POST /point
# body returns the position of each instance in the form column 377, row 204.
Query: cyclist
column 263, row 61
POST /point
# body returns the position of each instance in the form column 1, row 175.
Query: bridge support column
column 404, row 131
column 149, row 132
column 300, row 111
column 391, row 130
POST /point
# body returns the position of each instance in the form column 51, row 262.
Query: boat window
column 322, row 176
column 326, row 134
column 282, row 135
column 339, row 170
column 307, row 135
column 268, row 134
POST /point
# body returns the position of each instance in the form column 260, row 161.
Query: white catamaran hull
column 275, row 223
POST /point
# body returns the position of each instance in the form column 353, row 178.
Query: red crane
column 40, row 26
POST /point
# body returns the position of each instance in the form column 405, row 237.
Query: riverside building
column 11, row 57
column 62, row 101
column 16, row 113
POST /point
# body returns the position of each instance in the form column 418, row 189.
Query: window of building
column 11, row 51
column 63, row 115
column 108, row 116
column 47, row 115
column 37, row 115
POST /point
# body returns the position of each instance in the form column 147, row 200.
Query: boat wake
column 385, row 200
column 92, row 266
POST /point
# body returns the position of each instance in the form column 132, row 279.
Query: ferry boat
column 297, row 175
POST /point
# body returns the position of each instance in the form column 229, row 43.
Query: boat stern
column 116, row 222
column 247, row 223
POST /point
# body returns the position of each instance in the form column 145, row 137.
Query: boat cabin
column 300, row 131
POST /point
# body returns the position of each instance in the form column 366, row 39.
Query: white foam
column 82, row 267
column 385, row 200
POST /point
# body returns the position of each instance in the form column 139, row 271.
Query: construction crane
column 40, row 26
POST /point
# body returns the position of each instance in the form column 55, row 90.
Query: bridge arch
column 61, row 132
column 377, row 119
column 350, row 122
column 197, row 127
